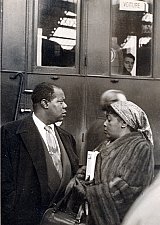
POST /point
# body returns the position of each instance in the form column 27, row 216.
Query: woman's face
column 113, row 126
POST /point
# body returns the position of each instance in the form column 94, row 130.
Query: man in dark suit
column 30, row 176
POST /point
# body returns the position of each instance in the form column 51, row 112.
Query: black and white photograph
column 80, row 112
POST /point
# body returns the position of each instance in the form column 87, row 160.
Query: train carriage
column 80, row 46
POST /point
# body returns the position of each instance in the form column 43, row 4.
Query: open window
column 132, row 36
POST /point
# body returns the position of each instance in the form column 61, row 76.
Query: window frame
column 112, row 75
column 56, row 69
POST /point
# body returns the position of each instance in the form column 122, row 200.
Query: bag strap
column 68, row 191
column 57, row 206
column 79, row 214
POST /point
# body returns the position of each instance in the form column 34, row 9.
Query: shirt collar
column 40, row 125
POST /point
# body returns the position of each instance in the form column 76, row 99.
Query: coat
column 25, row 194
column 128, row 158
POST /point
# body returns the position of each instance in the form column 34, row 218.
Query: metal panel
column 13, row 39
column 156, row 49
column 9, row 95
column 98, row 52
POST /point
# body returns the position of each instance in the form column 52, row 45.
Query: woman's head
column 115, row 126
column 131, row 115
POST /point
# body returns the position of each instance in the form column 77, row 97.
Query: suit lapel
column 67, row 142
column 66, row 164
column 33, row 143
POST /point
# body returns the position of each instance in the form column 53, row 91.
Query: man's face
column 57, row 107
column 128, row 63
column 146, row 28
column 112, row 127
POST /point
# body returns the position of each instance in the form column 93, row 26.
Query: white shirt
column 40, row 126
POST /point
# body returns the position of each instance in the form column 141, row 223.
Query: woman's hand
column 81, row 173
column 115, row 181
column 89, row 182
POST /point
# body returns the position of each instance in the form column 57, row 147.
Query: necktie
column 53, row 149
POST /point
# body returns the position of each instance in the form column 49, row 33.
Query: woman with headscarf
column 124, row 167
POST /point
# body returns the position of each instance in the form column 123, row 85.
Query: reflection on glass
column 56, row 38
column 131, row 47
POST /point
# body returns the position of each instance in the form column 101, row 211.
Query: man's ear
column 123, row 124
column 44, row 103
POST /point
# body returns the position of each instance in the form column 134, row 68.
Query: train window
column 131, row 41
column 57, row 32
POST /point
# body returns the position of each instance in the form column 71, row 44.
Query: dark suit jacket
column 25, row 193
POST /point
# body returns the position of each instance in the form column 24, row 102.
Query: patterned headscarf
column 134, row 116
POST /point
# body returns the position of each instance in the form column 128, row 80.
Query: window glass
column 56, row 38
column 132, row 31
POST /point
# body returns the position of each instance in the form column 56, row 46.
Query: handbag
column 56, row 215
column 52, row 217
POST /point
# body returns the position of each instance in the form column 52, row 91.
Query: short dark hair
column 129, row 55
column 43, row 91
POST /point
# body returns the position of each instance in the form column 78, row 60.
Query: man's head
column 147, row 21
column 48, row 103
column 111, row 96
column 128, row 62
